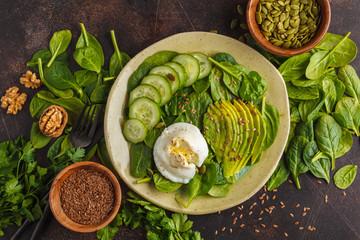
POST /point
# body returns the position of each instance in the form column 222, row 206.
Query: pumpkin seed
column 242, row 38
column 258, row 18
column 304, row 1
column 202, row 169
column 244, row 26
column 278, row 43
column 268, row 6
column 286, row 44
column 286, row 23
column 282, row 17
column 234, row 23
column 294, row 7
column 213, row 31
column 281, row 3
column 240, row 10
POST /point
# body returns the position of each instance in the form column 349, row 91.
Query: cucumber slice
column 191, row 65
column 180, row 70
column 170, row 74
column 145, row 110
column 161, row 84
column 145, row 90
column 134, row 130
column 205, row 64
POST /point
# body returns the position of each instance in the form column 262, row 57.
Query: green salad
column 196, row 122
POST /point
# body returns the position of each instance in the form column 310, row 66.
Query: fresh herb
column 136, row 212
column 345, row 176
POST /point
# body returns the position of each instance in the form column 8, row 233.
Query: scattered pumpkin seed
column 242, row 38
column 213, row 31
column 244, row 26
column 234, row 23
column 202, row 169
column 240, row 10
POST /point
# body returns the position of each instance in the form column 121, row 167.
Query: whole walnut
column 53, row 121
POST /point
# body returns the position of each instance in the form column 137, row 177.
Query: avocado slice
column 260, row 133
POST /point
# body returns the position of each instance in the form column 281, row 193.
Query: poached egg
column 178, row 150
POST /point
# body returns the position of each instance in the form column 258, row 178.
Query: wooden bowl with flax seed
column 288, row 27
column 85, row 197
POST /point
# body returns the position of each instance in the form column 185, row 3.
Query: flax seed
column 250, row 212
column 275, row 226
column 285, row 234
column 263, row 225
column 219, row 212
column 261, row 212
column 262, row 201
column 319, row 182
column 230, row 230
column 296, row 223
column 241, row 215
column 239, row 208
column 301, row 228
column 290, row 181
column 251, row 207
column 291, row 215
column 297, row 205
column 304, row 214
column 282, row 206
column 256, row 230
column 326, row 198
column 282, row 203
column 267, row 198
column 265, row 190
column 223, row 229
column 259, row 219
column 273, row 198
column 344, row 193
column 216, row 232
column 233, row 213
column 242, row 225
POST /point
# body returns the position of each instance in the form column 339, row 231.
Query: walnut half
column 30, row 81
column 53, row 121
column 13, row 100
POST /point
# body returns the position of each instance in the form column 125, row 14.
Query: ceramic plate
column 210, row 44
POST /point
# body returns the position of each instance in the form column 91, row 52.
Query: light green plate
column 210, row 44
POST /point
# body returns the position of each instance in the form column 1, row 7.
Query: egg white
column 178, row 150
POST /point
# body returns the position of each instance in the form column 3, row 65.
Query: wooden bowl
column 55, row 204
column 267, row 45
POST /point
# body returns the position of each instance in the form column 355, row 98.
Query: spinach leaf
column 100, row 94
column 201, row 184
column 333, row 51
column 165, row 185
column 348, row 76
column 345, row 176
column 85, row 78
column 225, row 57
column 319, row 168
column 58, row 44
column 104, row 156
column 201, row 85
column 65, row 93
column 339, row 86
column 197, row 108
column 140, row 159
column 330, row 94
column 220, row 179
column 88, row 58
column 294, row 67
column 309, row 109
column 294, row 112
column 279, row 176
column 328, row 133
column 294, row 158
column 302, row 93
column 231, row 82
column 291, row 135
column 253, row 87
column 306, row 130
column 88, row 40
column 43, row 54
column 177, row 104
column 220, row 190
column 347, row 114
column 37, row 139
column 217, row 87
column 157, row 59
column 55, row 148
column 59, row 76
column 303, row 82
column 38, row 105
column 118, row 60
column 345, row 144
column 272, row 120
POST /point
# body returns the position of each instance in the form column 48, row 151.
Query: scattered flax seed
column 296, row 223
column 216, row 232
column 285, row 234
column 241, row 215
column 242, row 225
column 185, row 111
column 233, row 213
column 326, row 198
column 265, row 188
column 251, row 207
column 275, row 226
column 282, row 206
column 267, row 210
column 230, row 230
column 262, row 201
column 223, row 229
column 219, row 212
column 239, row 208
column 297, row 205
column 263, row 225
column 275, row 190
column 319, row 182
column 254, row 204
column 250, row 212
column 301, row 228
column 267, row 197
column 304, row 214
column 257, row 231
column 259, row 219
column 289, row 181
column 344, row 193
column 261, row 212
column 291, row 215
column 273, row 198
column 281, row 203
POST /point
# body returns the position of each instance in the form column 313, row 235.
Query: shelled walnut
column 30, row 81
column 13, row 100
column 53, row 121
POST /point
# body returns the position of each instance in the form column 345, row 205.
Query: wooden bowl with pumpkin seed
column 288, row 27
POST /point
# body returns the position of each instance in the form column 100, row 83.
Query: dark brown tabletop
column 27, row 26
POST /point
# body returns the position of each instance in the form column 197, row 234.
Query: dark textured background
column 27, row 26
